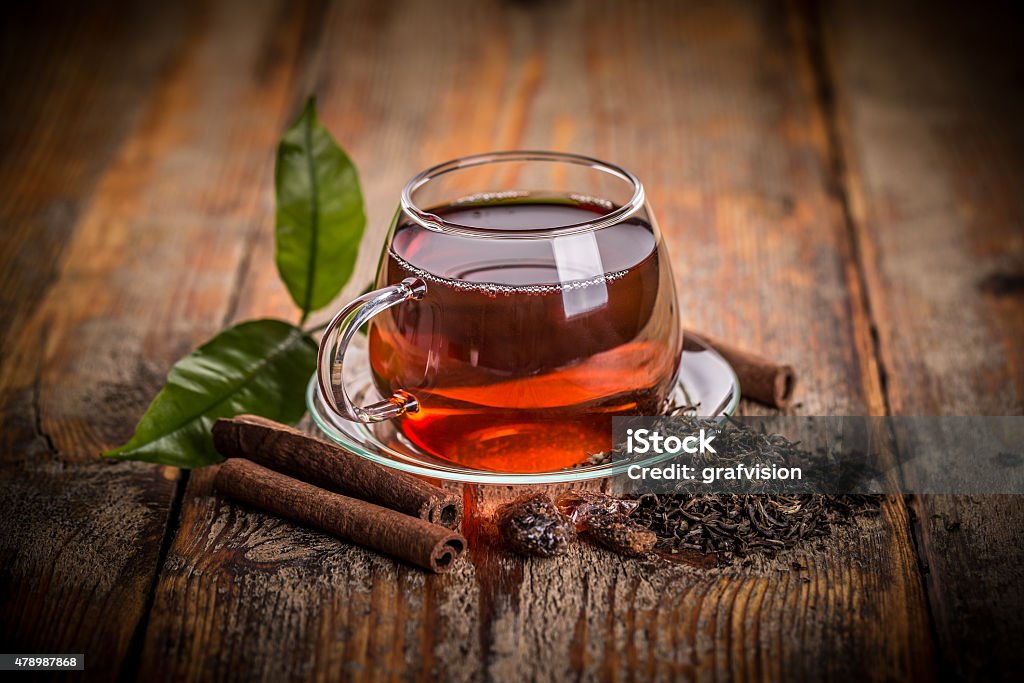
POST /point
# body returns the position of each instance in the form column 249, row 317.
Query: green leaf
column 258, row 367
column 320, row 217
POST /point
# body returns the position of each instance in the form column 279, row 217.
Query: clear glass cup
column 524, row 299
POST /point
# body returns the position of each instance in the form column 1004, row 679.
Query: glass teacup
column 524, row 299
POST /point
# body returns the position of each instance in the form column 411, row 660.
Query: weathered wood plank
column 714, row 107
column 148, row 272
column 79, row 541
column 72, row 98
column 930, row 108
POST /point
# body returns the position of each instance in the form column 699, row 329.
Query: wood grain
column 930, row 107
column 135, row 285
column 741, row 171
column 76, row 99
column 79, row 539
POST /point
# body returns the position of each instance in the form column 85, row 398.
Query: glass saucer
column 706, row 381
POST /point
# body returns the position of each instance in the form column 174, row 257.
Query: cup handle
column 331, row 355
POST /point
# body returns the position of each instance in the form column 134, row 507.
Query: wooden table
column 840, row 187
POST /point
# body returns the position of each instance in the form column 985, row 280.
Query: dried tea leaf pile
column 733, row 526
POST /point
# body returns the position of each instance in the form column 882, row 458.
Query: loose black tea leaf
column 620, row 534
column 532, row 525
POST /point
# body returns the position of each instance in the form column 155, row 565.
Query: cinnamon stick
column 412, row 539
column 761, row 379
column 287, row 450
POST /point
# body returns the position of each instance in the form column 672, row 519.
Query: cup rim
column 436, row 223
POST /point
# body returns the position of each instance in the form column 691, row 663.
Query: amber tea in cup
column 525, row 299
